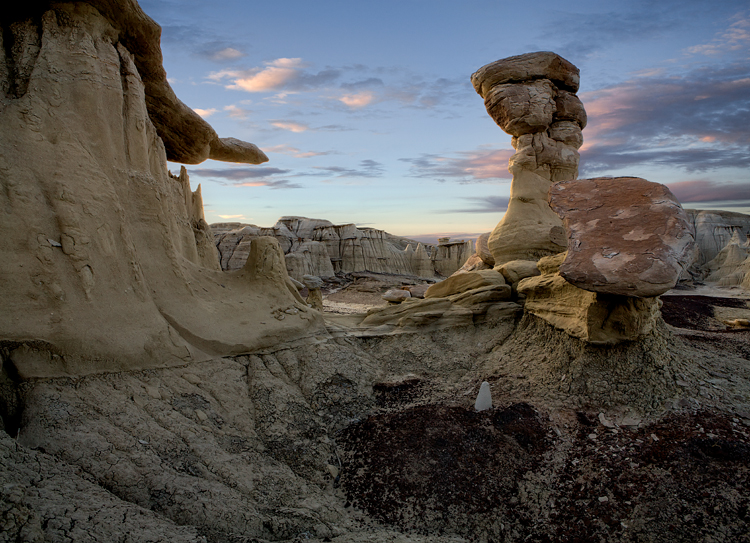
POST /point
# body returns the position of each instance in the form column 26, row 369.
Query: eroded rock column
column 532, row 98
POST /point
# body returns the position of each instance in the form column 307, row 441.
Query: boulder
column 515, row 270
column 626, row 236
column 483, row 249
column 457, row 284
column 396, row 295
column 474, row 263
column 527, row 67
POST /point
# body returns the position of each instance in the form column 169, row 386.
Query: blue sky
column 367, row 113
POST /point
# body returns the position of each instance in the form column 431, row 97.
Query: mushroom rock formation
column 532, row 98
column 106, row 261
column 629, row 240
column 626, row 236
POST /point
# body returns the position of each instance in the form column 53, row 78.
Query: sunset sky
column 367, row 112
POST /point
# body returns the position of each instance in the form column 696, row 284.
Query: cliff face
column 714, row 230
column 319, row 247
column 106, row 262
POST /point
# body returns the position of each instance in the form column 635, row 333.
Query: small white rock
column 605, row 421
column 484, row 398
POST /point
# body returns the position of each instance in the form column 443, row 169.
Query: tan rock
column 457, row 284
column 522, row 108
column 449, row 256
column 530, row 229
column 418, row 291
column 532, row 98
column 627, row 236
column 483, row 249
column 596, row 318
column 515, row 270
column 474, row 263
column 132, row 279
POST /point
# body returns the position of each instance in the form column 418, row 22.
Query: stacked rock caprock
column 532, row 98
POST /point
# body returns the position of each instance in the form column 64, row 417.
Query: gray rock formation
column 318, row 247
column 714, row 230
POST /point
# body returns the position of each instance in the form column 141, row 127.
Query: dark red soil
column 446, row 469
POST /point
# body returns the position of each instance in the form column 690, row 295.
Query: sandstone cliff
column 106, row 262
column 319, row 247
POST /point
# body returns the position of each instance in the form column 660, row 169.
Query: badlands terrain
column 165, row 380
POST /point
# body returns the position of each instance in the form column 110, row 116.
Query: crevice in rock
column 11, row 404
column 21, row 36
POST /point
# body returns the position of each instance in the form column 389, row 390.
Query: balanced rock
column 627, row 236
column 532, row 97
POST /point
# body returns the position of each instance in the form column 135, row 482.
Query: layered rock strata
column 532, row 98
column 596, row 318
column 319, row 247
column 106, row 261
column 714, row 230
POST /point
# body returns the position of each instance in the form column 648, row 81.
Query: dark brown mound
column 696, row 312
column 439, row 468
column 497, row 476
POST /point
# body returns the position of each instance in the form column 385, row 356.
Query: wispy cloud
column 248, row 177
column 355, row 87
column 465, row 167
column 221, row 52
column 237, row 112
column 734, row 38
column 358, row 100
column 697, row 121
column 205, row 113
column 240, row 217
column 486, row 204
column 292, row 126
column 295, row 152
column 702, row 191
column 282, row 74
column 367, row 168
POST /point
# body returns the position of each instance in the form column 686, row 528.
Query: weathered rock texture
column 319, row 247
column 532, row 97
column 626, row 236
column 106, row 262
column 596, row 318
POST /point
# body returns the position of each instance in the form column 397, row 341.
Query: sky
column 368, row 116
